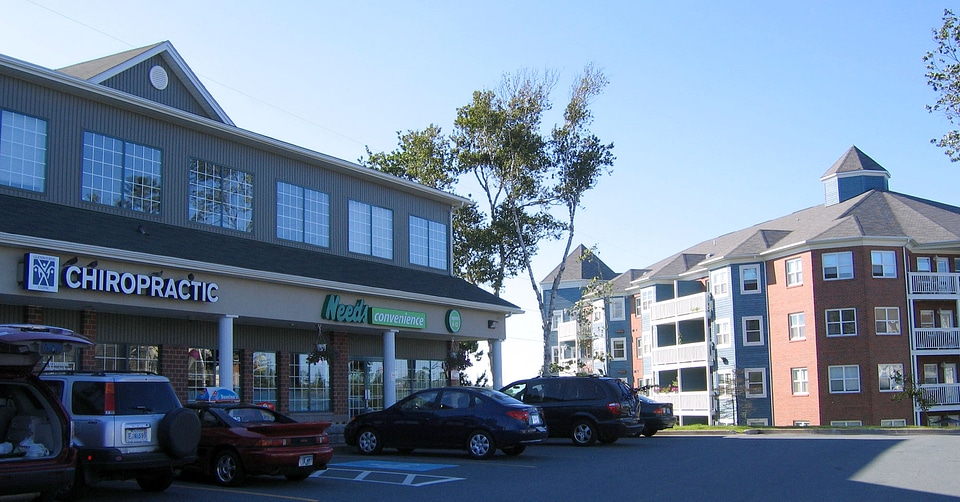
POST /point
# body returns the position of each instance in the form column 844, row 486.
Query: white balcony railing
column 684, row 402
column 679, row 307
column 944, row 393
column 928, row 283
column 677, row 354
column 936, row 338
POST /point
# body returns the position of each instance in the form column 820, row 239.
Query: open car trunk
column 30, row 428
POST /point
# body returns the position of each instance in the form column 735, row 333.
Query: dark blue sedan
column 474, row 419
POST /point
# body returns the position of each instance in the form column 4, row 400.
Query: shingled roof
column 581, row 264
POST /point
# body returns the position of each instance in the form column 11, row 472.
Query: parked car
column 656, row 416
column 585, row 409
column 127, row 425
column 474, row 419
column 35, row 451
column 240, row 440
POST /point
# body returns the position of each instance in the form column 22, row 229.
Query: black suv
column 586, row 409
column 126, row 425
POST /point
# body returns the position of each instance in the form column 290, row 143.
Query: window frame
column 622, row 342
column 239, row 184
column 646, row 299
column 128, row 160
column 887, row 260
column 839, row 261
column 727, row 336
column 435, row 243
column 887, row 322
column 746, row 331
column 370, row 237
column 844, row 379
column 924, row 264
column 794, row 277
column 841, row 322
column 748, row 383
column 720, row 283
column 618, row 310
column 306, row 197
column 797, row 331
column 743, row 280
column 888, row 372
column 37, row 169
column 800, row 381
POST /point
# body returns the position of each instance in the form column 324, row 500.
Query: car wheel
column 179, row 432
column 369, row 442
column 405, row 451
column 227, row 469
column 584, row 433
column 480, row 445
column 156, row 483
column 513, row 451
column 648, row 431
column 300, row 476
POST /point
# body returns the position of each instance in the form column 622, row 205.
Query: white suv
column 126, row 425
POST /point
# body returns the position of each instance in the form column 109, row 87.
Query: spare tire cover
column 179, row 432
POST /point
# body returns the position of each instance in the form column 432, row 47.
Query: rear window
column 130, row 398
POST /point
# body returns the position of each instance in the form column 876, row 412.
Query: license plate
column 306, row 460
column 137, row 436
column 535, row 419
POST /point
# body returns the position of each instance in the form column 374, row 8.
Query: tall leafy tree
column 943, row 75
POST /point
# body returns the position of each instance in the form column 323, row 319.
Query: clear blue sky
column 724, row 114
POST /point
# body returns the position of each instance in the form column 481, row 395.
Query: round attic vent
column 158, row 77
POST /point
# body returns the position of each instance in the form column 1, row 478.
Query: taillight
column 521, row 415
column 109, row 400
column 273, row 442
column 660, row 411
column 614, row 408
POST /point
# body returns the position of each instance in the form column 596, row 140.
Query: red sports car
column 239, row 440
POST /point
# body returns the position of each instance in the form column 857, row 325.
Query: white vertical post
column 225, row 339
column 389, row 368
column 496, row 362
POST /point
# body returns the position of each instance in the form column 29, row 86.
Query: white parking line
column 383, row 477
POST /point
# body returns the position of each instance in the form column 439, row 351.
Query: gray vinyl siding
column 68, row 116
column 136, row 81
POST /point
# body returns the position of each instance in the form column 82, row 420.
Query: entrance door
column 366, row 386
column 949, row 372
column 946, row 318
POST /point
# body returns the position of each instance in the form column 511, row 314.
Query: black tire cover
column 179, row 432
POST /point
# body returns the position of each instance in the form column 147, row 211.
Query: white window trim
column 839, row 277
column 803, row 327
column 743, row 323
column 846, row 423
column 893, row 422
column 742, row 283
column 856, row 329
column 798, row 272
column 618, row 310
column 746, row 383
column 794, row 381
column 729, row 334
column 893, row 384
column 830, row 380
column 758, row 422
column 884, row 273
column 613, row 349
column 886, row 322
column 720, row 278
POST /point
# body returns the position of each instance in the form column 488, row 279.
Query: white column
column 389, row 368
column 225, row 338
column 496, row 362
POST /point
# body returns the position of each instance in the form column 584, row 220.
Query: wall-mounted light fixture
column 492, row 324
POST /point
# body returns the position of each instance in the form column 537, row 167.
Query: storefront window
column 123, row 357
column 265, row 378
column 203, row 370
column 366, row 386
column 309, row 384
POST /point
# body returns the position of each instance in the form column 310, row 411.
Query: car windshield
column 145, row 397
column 498, row 396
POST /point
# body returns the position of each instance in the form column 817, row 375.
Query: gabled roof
column 100, row 70
column 852, row 162
column 581, row 264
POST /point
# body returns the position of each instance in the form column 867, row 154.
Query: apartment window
column 119, row 173
column 640, row 348
column 220, row 196
column 928, row 319
column 264, row 377
column 794, row 272
column 618, row 348
column 303, row 215
column 838, row 266
column 23, row 151
column 753, row 330
column 371, row 230
column 750, row 279
column 884, row 263
column 755, row 380
column 309, row 384
column 891, row 377
column 799, row 378
column 888, row 320
column 923, row 264
column 725, row 385
column 637, row 305
column 846, row 423
column 617, row 310
column 798, row 329
column 844, row 379
column 428, row 243
column 758, row 422
column 893, row 422
column 646, row 299
column 556, row 319
column 931, row 374
column 842, row 322
column 720, row 282
column 722, row 328
column 801, row 423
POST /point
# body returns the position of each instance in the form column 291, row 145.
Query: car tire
column 179, row 432
column 648, row 432
column 300, row 476
column 157, row 483
column 514, row 450
column 584, row 433
column 480, row 445
column 369, row 442
column 227, row 469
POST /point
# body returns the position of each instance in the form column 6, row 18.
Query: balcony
column 943, row 394
column 679, row 307
column 936, row 338
column 684, row 402
column 928, row 283
column 680, row 354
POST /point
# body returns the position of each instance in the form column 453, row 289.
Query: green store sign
column 360, row 313
column 453, row 321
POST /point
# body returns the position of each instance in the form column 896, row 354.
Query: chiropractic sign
column 360, row 313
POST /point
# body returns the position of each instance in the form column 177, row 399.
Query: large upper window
column 888, row 320
column 720, row 282
column 221, row 196
column 842, row 322
column 371, row 230
column 884, row 263
column 303, row 215
column 844, row 379
column 753, row 330
column 646, row 299
column 618, row 311
column 750, row 279
column 838, row 266
column 428, row 243
column 120, row 173
column 23, row 151
column 794, row 272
